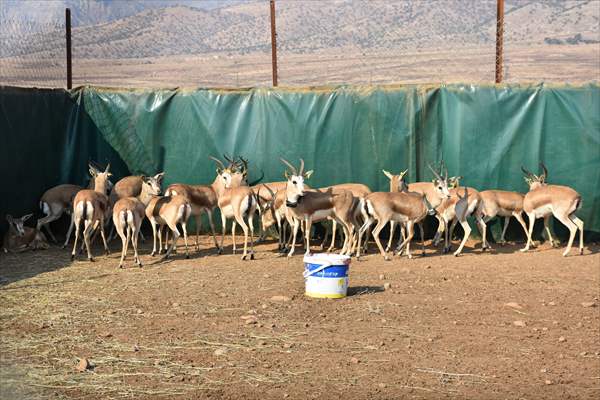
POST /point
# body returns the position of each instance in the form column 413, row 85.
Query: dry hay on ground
column 496, row 326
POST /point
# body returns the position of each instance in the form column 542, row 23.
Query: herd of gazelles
column 351, row 205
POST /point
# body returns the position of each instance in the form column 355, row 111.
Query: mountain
column 146, row 29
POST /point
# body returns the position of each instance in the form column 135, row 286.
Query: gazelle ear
column 390, row 176
column 93, row 172
column 286, row 174
column 307, row 174
column 159, row 177
column 403, row 173
column 26, row 217
column 9, row 218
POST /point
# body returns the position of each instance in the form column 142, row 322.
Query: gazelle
column 306, row 206
column 544, row 200
column 91, row 206
column 360, row 192
column 505, row 204
column 54, row 203
column 238, row 203
column 265, row 193
column 170, row 211
column 128, row 214
column 402, row 207
column 139, row 186
column 204, row 198
column 456, row 209
column 20, row 238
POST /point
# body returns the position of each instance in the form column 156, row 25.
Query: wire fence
column 203, row 43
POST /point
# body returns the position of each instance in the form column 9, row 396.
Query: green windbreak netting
column 46, row 138
column 346, row 134
column 349, row 134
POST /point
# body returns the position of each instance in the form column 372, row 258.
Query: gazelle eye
column 294, row 182
column 439, row 187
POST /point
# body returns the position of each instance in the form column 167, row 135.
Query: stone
column 354, row 360
column 381, row 277
column 387, row 286
column 588, row 304
column 562, row 339
column 220, row 351
column 514, row 305
column 282, row 299
column 519, row 323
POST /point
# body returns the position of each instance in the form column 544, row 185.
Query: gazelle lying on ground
column 303, row 205
column 21, row 238
column 544, row 200
column 129, row 212
column 170, row 211
column 402, row 207
column 91, row 206
column 204, row 198
column 133, row 186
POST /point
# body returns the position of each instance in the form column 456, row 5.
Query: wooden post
column 273, row 43
column 68, row 37
column 499, row 38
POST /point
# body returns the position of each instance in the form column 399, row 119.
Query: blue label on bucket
column 332, row 271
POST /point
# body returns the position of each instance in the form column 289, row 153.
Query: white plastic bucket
column 326, row 275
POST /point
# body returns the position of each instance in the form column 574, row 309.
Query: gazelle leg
column 135, row 232
column 422, row 238
column 176, row 234
column 185, row 238
column 440, row 230
column 519, row 217
column 212, row 229
column 467, row 230
column 376, row 231
column 223, row 230
column 547, row 229
column 160, row 245
column 77, row 224
column 572, row 231
column 153, row 224
column 251, row 226
column 69, row 232
column 308, row 225
column 167, row 241
column 448, row 236
column 392, row 228
column 506, row 221
column 294, row 233
column 333, row 232
column 579, row 224
column 107, row 251
column 483, row 226
column 363, row 228
column 45, row 222
column 124, row 243
column 530, row 233
column 233, row 227
column 406, row 242
column 89, row 228
column 198, row 220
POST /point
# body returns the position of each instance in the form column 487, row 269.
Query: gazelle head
column 454, row 182
column 101, row 179
column 229, row 176
column 266, row 208
column 295, row 183
column 16, row 224
column 440, row 183
column 535, row 181
column 152, row 184
column 397, row 183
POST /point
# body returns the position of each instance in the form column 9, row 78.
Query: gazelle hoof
column 220, row 250
column 387, row 258
column 244, row 257
column 107, row 253
column 456, row 254
column 91, row 259
column 72, row 257
column 580, row 252
column 252, row 256
column 120, row 266
column 187, row 256
column 410, row 256
column 524, row 250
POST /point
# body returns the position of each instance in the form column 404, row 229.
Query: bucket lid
column 332, row 259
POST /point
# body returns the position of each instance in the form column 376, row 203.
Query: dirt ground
column 500, row 325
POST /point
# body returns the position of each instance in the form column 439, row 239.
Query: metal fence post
column 273, row 43
column 499, row 38
column 68, row 37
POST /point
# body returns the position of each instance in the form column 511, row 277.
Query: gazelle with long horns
column 91, row 207
column 544, row 200
column 305, row 205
